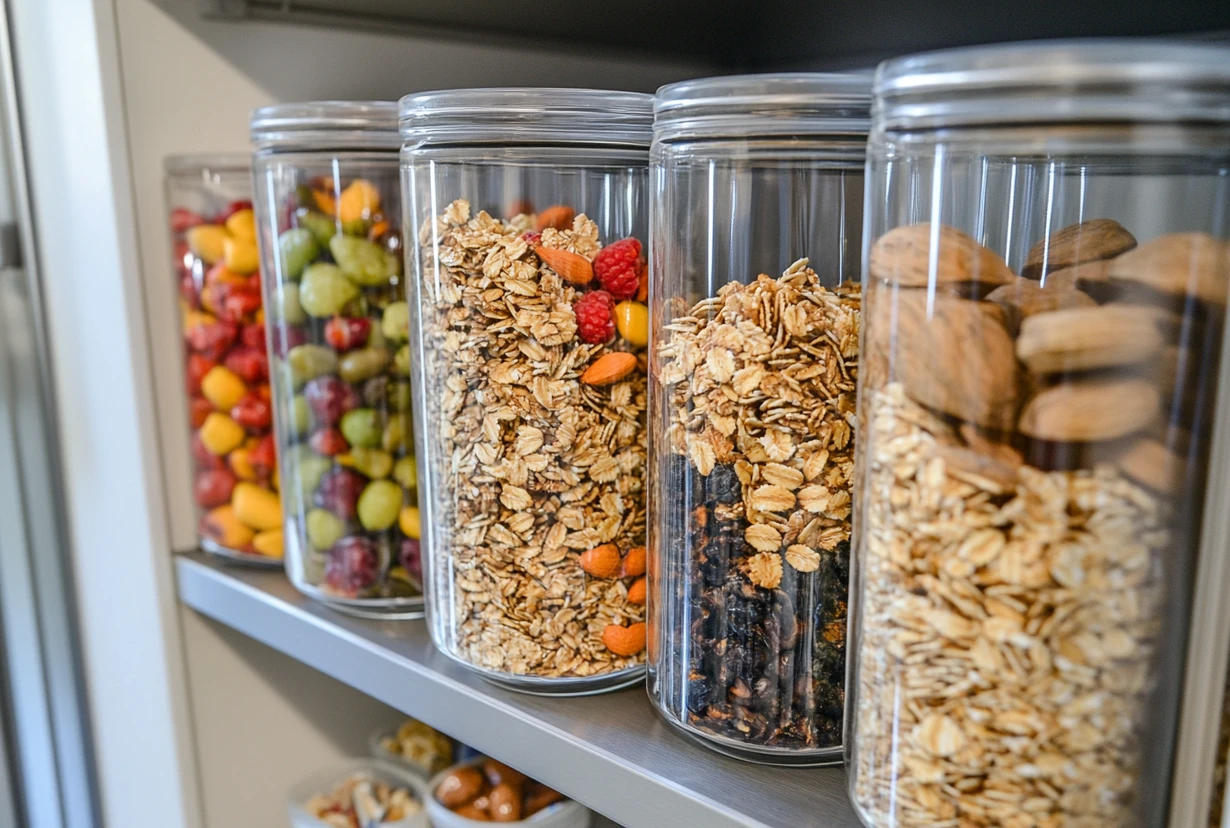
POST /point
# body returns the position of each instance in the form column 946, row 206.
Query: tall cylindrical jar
column 1045, row 299
column 527, row 213
column 758, row 202
column 226, row 372
column 329, row 214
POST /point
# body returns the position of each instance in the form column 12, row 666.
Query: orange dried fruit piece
column 634, row 562
column 624, row 641
column 601, row 561
column 609, row 368
column 358, row 201
column 571, row 267
column 222, row 526
column 558, row 216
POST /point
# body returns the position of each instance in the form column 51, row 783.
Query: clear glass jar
column 528, row 216
column 329, row 213
column 758, row 188
column 226, row 371
column 1046, row 284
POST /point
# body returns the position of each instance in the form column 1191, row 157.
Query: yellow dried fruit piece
column 408, row 520
column 269, row 543
column 358, row 201
column 222, row 527
column 241, row 224
column 257, row 507
column 220, row 434
column 632, row 322
column 222, row 387
column 240, row 255
column 207, row 242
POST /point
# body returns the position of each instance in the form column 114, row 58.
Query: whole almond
column 953, row 355
column 571, row 267
column 634, row 562
column 601, row 561
column 1149, row 462
column 1088, row 241
column 459, row 786
column 624, row 641
column 1025, row 297
column 902, row 256
column 558, row 216
column 1179, row 264
column 1090, row 411
column 636, row 592
column 1080, row 339
column 609, row 368
column 1086, row 276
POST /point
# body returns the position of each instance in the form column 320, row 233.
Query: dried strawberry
column 253, row 412
column 620, row 268
column 182, row 220
column 240, row 305
column 264, row 456
column 195, row 369
column 595, row 320
column 253, row 336
column 212, row 339
column 532, row 238
column 249, row 363
column 198, row 409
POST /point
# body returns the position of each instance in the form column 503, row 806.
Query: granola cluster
column 760, row 403
column 1008, row 628
column 531, row 466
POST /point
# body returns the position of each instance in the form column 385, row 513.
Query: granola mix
column 531, row 465
column 759, row 383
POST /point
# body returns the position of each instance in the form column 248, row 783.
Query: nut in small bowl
column 357, row 792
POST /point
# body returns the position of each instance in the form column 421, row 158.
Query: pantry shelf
column 611, row 752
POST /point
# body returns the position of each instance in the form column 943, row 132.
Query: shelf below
column 611, row 752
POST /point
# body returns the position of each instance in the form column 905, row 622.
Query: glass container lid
column 325, row 125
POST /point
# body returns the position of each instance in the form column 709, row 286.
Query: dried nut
column 498, row 773
column 1179, row 264
column 624, row 641
column 540, row 796
column 1085, row 242
column 571, row 267
column 505, row 803
column 1079, row 339
column 601, row 561
column 634, row 563
column 902, row 256
column 558, row 216
column 1150, row 463
column 989, row 470
column 1090, row 411
column 1026, row 297
column 459, row 786
column 1084, row 276
column 471, row 811
column 609, row 369
column 636, row 592
column 955, row 356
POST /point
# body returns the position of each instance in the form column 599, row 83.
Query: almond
column 1080, row 339
column 1088, row 241
column 902, row 256
column 1150, row 463
column 558, row 216
column 601, row 561
column 1090, row 411
column 1023, row 298
column 636, row 592
column 1178, row 264
column 609, row 368
column 953, row 355
column 571, row 267
column 634, row 563
column 624, row 641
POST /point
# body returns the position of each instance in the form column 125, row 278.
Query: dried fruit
column 601, row 561
column 632, row 321
column 624, row 641
column 1079, row 339
column 558, row 216
column 1091, row 410
column 594, row 312
column 903, row 256
column 620, row 268
column 609, row 368
column 571, row 267
column 459, row 786
column 634, row 563
column 1085, row 242
column 505, row 803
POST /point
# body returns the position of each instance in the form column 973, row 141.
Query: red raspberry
column 595, row 320
column 619, row 268
column 532, row 238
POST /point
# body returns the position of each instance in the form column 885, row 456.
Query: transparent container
column 329, row 214
column 527, row 212
column 1046, row 283
column 758, row 187
column 226, row 370
column 329, row 789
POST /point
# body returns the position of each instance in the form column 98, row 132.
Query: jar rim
column 197, row 162
column 316, row 125
column 791, row 103
column 1055, row 81
column 527, row 114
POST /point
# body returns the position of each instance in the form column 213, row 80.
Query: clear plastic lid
column 195, row 164
column 764, row 105
column 1065, row 81
column 325, row 125
column 527, row 115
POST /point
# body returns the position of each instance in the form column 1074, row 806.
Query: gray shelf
column 611, row 752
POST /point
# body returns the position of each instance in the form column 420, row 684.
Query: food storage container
column 1046, row 282
column 526, row 213
column 226, row 372
column 424, row 750
column 758, row 194
column 471, row 794
column 331, row 788
column 329, row 214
